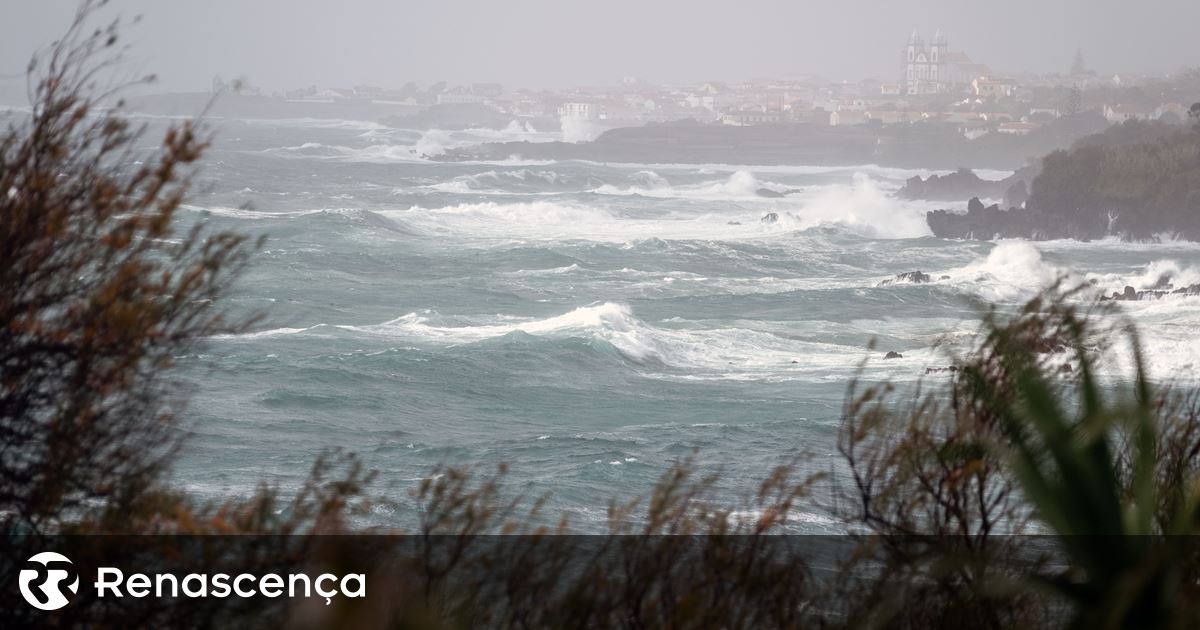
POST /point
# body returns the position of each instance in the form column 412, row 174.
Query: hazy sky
column 293, row 43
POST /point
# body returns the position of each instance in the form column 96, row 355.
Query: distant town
column 934, row 83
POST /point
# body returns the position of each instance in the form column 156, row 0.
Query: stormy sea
column 587, row 323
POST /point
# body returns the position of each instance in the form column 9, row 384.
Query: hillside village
column 934, row 84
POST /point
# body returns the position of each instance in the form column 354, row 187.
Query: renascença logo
column 43, row 580
column 48, row 576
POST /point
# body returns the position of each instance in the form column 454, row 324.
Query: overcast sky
column 553, row 43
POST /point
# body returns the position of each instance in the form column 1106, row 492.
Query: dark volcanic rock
column 985, row 223
column 956, row 186
column 1188, row 290
column 892, row 354
column 1129, row 294
column 1016, row 195
column 964, row 184
column 770, row 217
column 941, row 370
column 913, row 277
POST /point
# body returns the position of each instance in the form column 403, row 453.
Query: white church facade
column 932, row 68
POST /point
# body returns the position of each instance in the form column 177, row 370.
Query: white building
column 932, row 68
column 1120, row 113
column 458, row 99
column 586, row 111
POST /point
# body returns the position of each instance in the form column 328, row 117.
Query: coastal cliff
column 1135, row 181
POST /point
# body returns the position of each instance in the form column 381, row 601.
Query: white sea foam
column 740, row 185
column 553, row 220
column 864, row 209
column 494, row 181
column 1159, row 273
column 1015, row 271
column 576, row 129
column 701, row 353
column 1011, row 272
column 614, row 323
column 636, row 283
column 245, row 213
column 262, row 334
column 316, row 123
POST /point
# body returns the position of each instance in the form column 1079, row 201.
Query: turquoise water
column 587, row 323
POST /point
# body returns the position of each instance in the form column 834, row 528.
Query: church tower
column 936, row 49
column 914, row 63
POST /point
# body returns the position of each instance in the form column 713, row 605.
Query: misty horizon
column 277, row 45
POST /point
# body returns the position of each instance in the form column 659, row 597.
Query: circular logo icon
column 48, row 580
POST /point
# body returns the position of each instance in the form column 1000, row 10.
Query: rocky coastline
column 1135, row 181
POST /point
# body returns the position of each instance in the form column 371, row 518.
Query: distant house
column 749, row 117
column 892, row 117
column 1175, row 109
column 449, row 98
column 487, row 89
column 972, row 129
column 890, row 89
column 367, row 91
column 1017, row 128
column 847, row 117
column 984, row 87
column 711, row 101
column 853, row 104
column 1046, row 112
column 587, row 111
column 1120, row 113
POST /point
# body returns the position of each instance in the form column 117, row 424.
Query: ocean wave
column 1157, row 274
column 368, row 218
column 740, row 185
column 246, row 213
column 877, row 171
column 637, row 283
column 512, row 181
column 613, row 323
column 316, row 123
column 373, row 153
column 863, row 208
column 554, row 220
column 575, row 129
column 263, row 334
column 1012, row 271
column 688, row 353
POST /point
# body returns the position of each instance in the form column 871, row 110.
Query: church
column 932, row 68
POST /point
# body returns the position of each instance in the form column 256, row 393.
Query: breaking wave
column 721, row 353
column 865, row 209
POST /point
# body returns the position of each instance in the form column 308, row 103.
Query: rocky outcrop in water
column 985, row 223
column 1130, row 294
column 965, row 184
column 908, row 277
column 942, row 370
column 892, row 354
